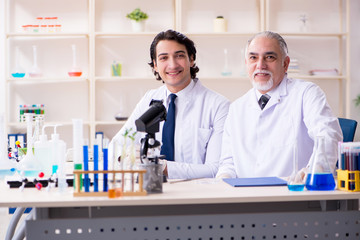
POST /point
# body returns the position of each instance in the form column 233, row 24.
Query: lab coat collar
column 276, row 95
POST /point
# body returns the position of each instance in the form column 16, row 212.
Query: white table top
column 200, row 191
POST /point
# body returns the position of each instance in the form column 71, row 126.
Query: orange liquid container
column 74, row 74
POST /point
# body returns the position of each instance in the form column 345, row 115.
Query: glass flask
column 18, row 71
column 75, row 70
column 295, row 181
column 319, row 176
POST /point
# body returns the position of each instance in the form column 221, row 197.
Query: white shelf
column 27, row 80
column 103, row 34
column 51, row 35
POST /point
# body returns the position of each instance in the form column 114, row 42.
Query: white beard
column 262, row 86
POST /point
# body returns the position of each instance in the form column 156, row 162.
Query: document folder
column 254, row 182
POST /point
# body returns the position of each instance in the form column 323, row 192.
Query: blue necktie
column 167, row 147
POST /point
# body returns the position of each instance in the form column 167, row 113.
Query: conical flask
column 18, row 71
column 319, row 176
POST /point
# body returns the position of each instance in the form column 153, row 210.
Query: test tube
column 77, row 144
column 96, row 167
column 105, row 162
column 86, row 165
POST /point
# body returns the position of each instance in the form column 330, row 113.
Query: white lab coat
column 260, row 143
column 200, row 118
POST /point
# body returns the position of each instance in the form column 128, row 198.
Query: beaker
column 319, row 176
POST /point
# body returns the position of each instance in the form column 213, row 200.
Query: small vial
column 35, row 28
column 47, row 21
column 21, row 111
column 51, row 24
column 39, row 22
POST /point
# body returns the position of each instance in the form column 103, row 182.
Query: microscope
column 149, row 123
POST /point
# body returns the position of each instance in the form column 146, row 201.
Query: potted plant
column 357, row 101
column 137, row 18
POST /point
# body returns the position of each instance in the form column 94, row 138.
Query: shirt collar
column 181, row 93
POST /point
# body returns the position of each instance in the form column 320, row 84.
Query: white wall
column 2, row 56
column 355, row 59
column 355, row 62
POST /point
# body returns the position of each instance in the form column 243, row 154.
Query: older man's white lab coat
column 258, row 143
column 200, row 118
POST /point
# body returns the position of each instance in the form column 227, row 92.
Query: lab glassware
column 226, row 70
column 295, row 182
column 35, row 70
column 75, row 70
column 320, row 176
column 18, row 71
column 29, row 167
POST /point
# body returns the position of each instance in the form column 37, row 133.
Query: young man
column 265, row 124
column 199, row 112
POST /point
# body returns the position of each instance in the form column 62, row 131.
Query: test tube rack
column 348, row 180
column 79, row 192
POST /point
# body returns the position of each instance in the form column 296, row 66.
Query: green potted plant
column 357, row 101
column 137, row 18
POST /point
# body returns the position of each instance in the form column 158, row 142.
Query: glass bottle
column 320, row 176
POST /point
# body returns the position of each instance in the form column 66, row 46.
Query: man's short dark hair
column 179, row 38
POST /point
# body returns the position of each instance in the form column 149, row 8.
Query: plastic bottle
column 42, row 149
column 58, row 150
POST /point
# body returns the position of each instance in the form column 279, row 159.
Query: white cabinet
column 102, row 35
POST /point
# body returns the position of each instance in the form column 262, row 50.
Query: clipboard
column 255, row 182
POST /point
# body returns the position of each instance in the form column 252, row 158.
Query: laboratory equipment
column 86, row 165
column 58, row 151
column 75, row 70
column 18, row 71
column 42, row 151
column 7, row 166
column 35, row 71
column 77, row 145
column 319, row 176
column 295, row 181
column 226, row 70
column 28, row 165
column 105, row 164
column 96, row 167
column 149, row 123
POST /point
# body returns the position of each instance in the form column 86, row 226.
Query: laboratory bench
column 198, row 209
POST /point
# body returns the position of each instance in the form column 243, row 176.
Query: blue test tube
column 105, row 154
column 86, row 167
column 96, row 168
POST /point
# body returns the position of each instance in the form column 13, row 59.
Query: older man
column 277, row 114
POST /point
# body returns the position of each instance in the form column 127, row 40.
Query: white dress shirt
column 200, row 117
column 258, row 143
